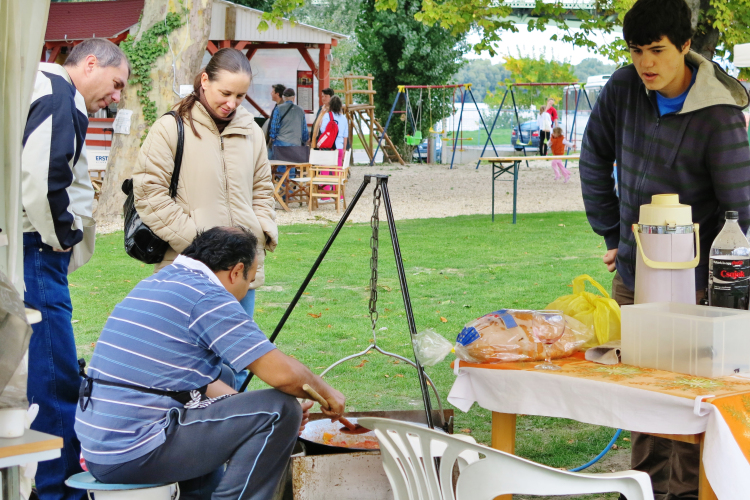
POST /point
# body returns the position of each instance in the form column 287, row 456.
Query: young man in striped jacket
column 673, row 122
column 57, row 198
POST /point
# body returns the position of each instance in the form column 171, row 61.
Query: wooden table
column 499, row 169
column 33, row 446
column 621, row 396
column 504, row 439
column 278, row 185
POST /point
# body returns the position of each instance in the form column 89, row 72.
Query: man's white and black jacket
column 56, row 188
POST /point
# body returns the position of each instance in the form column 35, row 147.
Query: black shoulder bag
column 140, row 241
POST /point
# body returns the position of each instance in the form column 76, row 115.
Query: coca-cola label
column 729, row 271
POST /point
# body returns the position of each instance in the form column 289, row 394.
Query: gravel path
column 421, row 191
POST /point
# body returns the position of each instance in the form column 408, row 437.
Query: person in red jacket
column 552, row 111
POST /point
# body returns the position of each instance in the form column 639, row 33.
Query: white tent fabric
column 22, row 26
column 742, row 55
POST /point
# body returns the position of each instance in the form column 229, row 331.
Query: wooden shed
column 304, row 64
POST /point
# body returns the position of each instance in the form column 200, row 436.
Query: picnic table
column 514, row 162
column 714, row 413
column 282, row 178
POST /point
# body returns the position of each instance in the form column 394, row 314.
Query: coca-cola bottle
column 729, row 267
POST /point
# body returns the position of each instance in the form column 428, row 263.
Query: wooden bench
column 511, row 167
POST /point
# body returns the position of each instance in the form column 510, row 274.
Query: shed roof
column 82, row 20
column 230, row 21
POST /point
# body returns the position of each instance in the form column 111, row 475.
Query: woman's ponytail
column 185, row 106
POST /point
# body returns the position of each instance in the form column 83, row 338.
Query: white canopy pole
column 22, row 27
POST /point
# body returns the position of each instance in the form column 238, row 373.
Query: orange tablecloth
column 674, row 384
column 627, row 397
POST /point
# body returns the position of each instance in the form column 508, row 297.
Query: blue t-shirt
column 674, row 104
column 173, row 331
column 343, row 128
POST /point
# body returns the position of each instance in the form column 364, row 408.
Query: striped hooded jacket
column 56, row 188
column 700, row 153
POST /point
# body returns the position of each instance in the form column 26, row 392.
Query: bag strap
column 284, row 115
column 579, row 285
column 178, row 154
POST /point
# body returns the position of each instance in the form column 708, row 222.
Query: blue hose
column 600, row 455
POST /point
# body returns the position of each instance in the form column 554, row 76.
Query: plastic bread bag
column 505, row 335
column 431, row 347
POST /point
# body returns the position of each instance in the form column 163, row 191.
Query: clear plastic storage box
column 684, row 338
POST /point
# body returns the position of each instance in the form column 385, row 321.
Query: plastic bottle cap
column 665, row 209
column 731, row 214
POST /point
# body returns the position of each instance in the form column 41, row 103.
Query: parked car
column 529, row 131
column 420, row 152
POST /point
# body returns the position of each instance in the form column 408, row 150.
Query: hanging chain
column 374, row 224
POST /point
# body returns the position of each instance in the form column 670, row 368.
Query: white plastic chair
column 403, row 444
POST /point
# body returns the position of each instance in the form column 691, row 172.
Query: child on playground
column 557, row 144
column 544, row 120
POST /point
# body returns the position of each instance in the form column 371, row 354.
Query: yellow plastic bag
column 602, row 313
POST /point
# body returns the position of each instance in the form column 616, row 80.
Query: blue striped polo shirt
column 172, row 332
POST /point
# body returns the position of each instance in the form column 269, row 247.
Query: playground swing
column 457, row 136
column 429, row 99
column 579, row 93
column 416, row 138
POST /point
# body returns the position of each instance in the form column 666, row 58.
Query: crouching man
column 154, row 409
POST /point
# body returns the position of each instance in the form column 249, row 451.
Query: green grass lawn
column 457, row 269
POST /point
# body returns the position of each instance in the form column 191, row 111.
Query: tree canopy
column 719, row 24
column 334, row 15
column 535, row 69
column 397, row 49
column 483, row 75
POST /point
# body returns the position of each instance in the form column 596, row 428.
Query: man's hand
column 609, row 259
column 288, row 375
column 306, row 405
column 336, row 403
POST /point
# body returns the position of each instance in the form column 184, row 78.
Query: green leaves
column 730, row 17
column 537, row 69
column 142, row 55
column 397, row 49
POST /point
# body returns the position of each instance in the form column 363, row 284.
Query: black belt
column 87, row 387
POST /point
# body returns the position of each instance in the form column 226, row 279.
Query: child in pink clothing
column 557, row 144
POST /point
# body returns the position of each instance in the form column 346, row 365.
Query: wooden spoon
column 349, row 428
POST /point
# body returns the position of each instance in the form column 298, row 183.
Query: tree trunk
column 189, row 45
column 705, row 36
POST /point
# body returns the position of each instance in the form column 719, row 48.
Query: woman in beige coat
column 225, row 178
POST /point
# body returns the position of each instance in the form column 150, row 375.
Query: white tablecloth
column 612, row 405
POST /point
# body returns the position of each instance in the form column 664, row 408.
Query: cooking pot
column 325, row 437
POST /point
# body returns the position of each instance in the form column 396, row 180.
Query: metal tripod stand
column 381, row 191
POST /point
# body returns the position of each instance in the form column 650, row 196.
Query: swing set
column 578, row 90
column 414, row 120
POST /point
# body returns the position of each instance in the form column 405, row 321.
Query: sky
column 540, row 42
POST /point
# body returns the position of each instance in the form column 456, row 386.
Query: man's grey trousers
column 252, row 432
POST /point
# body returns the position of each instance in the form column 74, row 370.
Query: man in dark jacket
column 673, row 122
